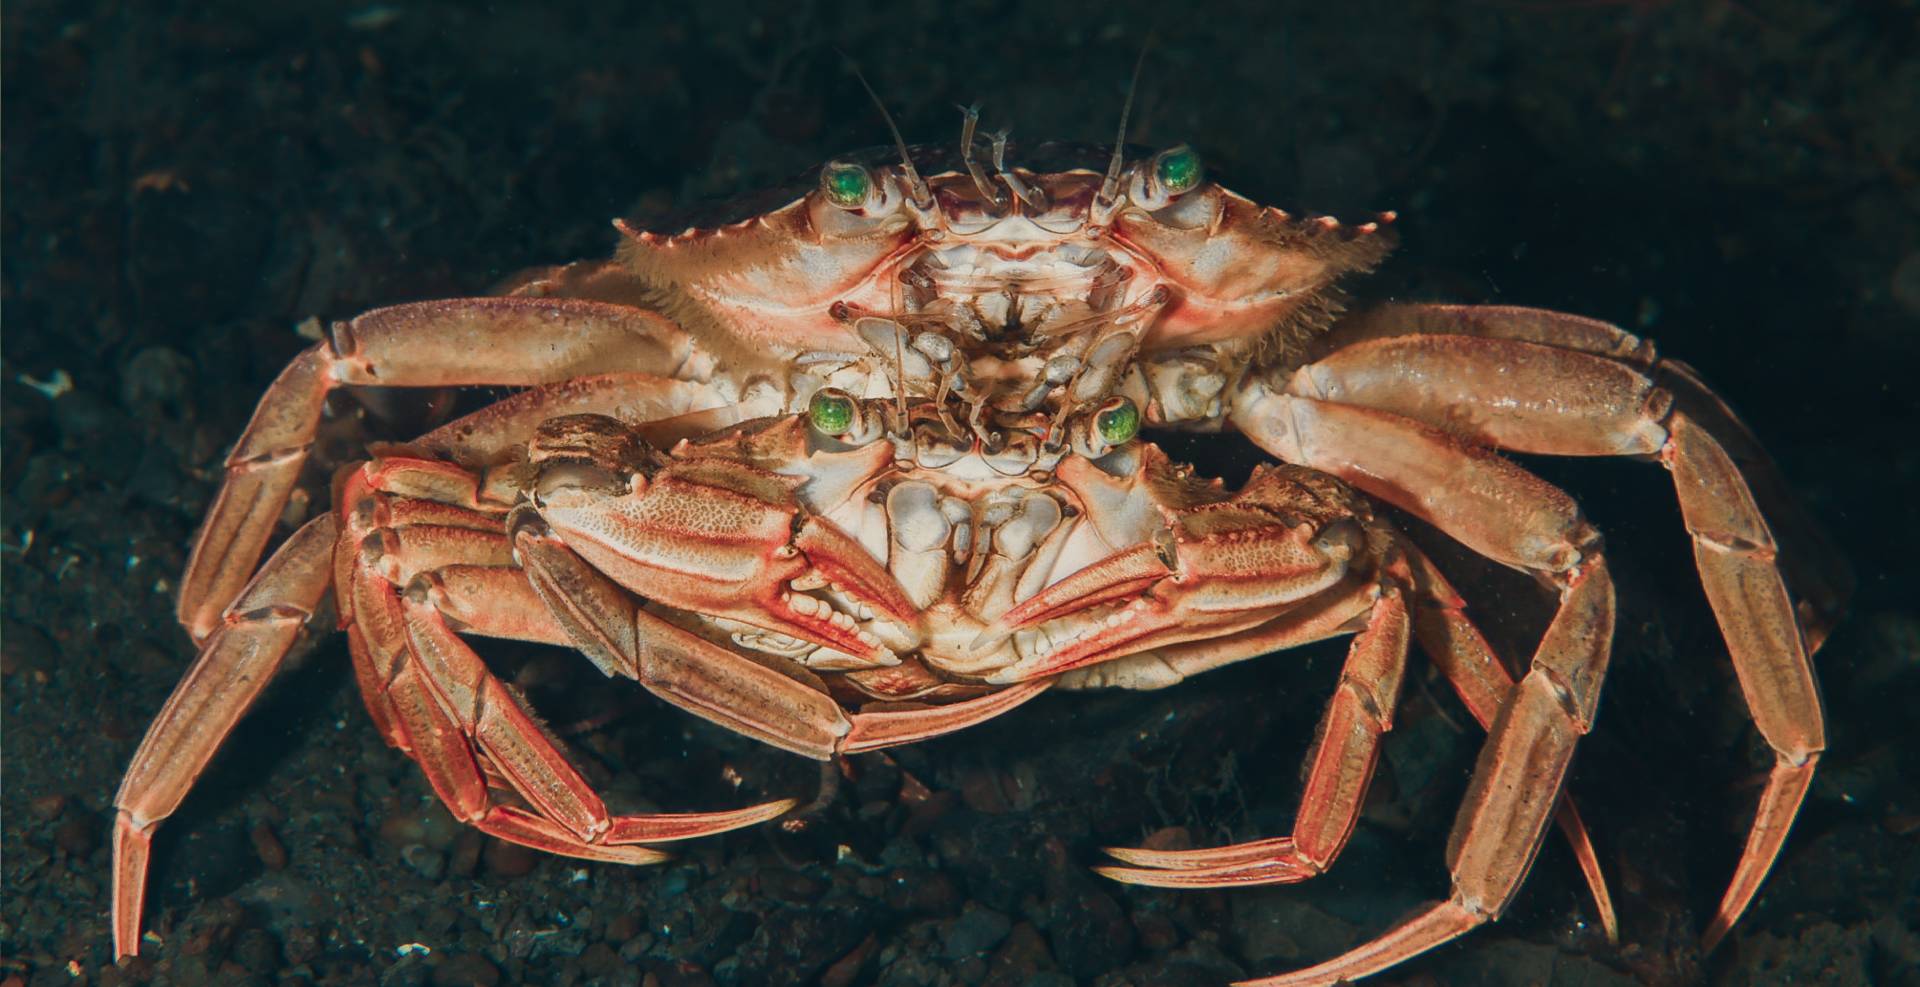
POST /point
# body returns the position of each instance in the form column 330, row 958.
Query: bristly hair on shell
column 1350, row 250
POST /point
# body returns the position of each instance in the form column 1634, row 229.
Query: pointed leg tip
column 626, row 854
column 673, row 827
column 1438, row 923
column 1126, row 875
column 1272, row 861
column 1581, row 842
column 126, row 938
column 1189, row 880
column 1156, row 859
column 773, row 810
column 1715, row 934
column 1298, row 978
column 131, row 845
column 1272, row 852
column 1610, row 926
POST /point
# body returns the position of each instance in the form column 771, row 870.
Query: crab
column 873, row 466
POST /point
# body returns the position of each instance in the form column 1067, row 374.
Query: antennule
column 969, row 123
column 1033, row 196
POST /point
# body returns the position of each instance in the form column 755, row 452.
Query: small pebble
column 983, row 790
column 257, row 951
column 24, row 648
column 303, row 945
column 1168, row 838
column 847, row 968
column 1904, row 283
column 789, row 886
column 599, row 960
column 466, row 970
column 623, row 927
column 681, row 974
column 1155, row 931
column 268, row 846
column 635, row 948
column 509, row 859
column 440, row 920
column 465, row 854
column 976, row 931
column 925, row 892
column 77, row 834
column 1023, row 954
column 426, row 861
column 426, row 823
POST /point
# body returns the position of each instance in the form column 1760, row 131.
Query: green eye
column 847, row 185
column 831, row 412
column 1118, row 423
column 1178, row 170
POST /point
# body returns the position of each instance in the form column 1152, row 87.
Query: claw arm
column 1516, row 393
column 1339, row 769
column 1504, row 513
column 239, row 659
column 719, row 538
column 502, row 341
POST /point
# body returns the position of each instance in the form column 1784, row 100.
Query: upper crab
column 1058, row 284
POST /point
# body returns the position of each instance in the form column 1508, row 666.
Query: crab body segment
column 868, row 468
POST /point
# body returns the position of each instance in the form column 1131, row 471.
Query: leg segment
column 1339, row 769
column 439, row 702
column 910, row 723
column 713, row 536
column 1535, row 398
column 664, row 409
column 1478, row 676
column 502, row 341
column 239, row 658
column 1337, row 611
column 1815, row 571
column 1515, row 787
column 499, row 728
column 1735, row 553
column 1216, row 570
column 1507, row 514
column 1813, row 566
column 783, row 706
column 1468, row 662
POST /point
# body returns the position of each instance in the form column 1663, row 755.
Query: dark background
column 182, row 187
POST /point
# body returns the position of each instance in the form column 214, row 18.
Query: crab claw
column 1217, row 569
column 1122, row 574
column 723, row 538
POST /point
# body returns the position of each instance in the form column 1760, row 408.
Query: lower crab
column 870, row 468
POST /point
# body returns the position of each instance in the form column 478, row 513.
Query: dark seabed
column 1738, row 180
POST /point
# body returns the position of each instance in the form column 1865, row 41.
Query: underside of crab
column 871, row 467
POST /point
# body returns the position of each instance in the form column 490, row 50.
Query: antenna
column 922, row 196
column 1111, row 186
